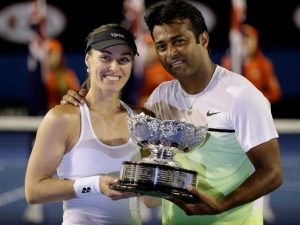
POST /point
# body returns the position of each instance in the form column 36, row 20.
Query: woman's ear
column 86, row 60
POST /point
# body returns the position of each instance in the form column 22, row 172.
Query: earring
column 88, row 70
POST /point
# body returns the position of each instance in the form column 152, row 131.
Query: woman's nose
column 114, row 65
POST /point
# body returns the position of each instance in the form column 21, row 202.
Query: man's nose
column 171, row 50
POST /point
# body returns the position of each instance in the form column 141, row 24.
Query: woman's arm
column 48, row 150
column 54, row 137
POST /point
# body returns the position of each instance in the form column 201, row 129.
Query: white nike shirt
column 238, row 117
column 238, row 105
column 90, row 157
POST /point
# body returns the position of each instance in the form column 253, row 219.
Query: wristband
column 86, row 186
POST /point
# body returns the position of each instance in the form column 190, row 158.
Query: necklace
column 190, row 107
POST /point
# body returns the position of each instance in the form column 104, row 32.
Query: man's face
column 177, row 48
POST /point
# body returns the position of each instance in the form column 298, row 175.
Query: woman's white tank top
column 91, row 157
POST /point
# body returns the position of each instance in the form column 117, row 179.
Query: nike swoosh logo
column 210, row 114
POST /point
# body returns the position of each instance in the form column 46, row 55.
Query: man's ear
column 204, row 38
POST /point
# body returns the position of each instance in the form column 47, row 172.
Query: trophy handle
column 127, row 107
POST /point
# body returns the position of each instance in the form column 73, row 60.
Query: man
column 239, row 161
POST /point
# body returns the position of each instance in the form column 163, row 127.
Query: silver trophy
column 158, row 174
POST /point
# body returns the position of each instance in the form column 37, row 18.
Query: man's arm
column 76, row 97
column 267, row 177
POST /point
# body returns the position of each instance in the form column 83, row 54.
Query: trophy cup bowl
column 158, row 174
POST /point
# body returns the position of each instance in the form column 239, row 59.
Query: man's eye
column 179, row 42
column 160, row 48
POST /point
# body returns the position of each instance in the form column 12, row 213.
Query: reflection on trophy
column 158, row 174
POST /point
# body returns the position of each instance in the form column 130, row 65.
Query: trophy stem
column 162, row 155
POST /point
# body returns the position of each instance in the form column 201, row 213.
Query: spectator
column 59, row 77
column 256, row 67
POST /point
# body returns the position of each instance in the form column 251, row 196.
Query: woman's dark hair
column 166, row 11
column 102, row 28
column 108, row 35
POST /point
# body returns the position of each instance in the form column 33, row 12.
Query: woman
column 86, row 145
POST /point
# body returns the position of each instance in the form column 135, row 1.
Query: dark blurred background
column 275, row 21
column 278, row 23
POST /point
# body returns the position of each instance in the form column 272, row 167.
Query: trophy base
column 156, row 180
column 156, row 191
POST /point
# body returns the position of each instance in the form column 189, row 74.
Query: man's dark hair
column 166, row 11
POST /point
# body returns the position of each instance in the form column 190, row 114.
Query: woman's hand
column 105, row 188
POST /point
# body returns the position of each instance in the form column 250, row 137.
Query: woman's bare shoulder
column 63, row 114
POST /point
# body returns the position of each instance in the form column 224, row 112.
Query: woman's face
column 110, row 68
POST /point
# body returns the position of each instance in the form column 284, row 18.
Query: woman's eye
column 124, row 60
column 106, row 58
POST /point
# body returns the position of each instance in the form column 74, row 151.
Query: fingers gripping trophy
column 158, row 174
